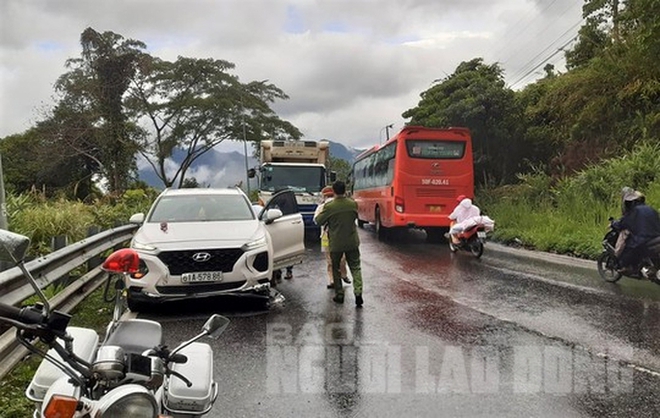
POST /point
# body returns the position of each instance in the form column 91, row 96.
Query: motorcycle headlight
column 128, row 401
column 253, row 245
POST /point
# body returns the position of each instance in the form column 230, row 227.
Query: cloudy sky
column 350, row 67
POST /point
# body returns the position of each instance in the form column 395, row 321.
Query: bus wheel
column 381, row 231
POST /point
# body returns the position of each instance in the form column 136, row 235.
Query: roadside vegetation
column 40, row 218
column 570, row 215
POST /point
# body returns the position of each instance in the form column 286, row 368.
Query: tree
column 609, row 99
column 603, row 12
column 32, row 161
column 475, row 96
column 341, row 167
column 192, row 105
column 96, row 85
column 592, row 41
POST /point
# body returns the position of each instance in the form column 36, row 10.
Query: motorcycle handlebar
column 27, row 316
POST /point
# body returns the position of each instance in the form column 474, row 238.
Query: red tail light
column 399, row 204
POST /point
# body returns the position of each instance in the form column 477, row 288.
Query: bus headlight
column 128, row 401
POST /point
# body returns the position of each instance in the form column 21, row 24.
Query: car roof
column 202, row 191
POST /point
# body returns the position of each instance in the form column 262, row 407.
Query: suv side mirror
column 137, row 218
column 272, row 214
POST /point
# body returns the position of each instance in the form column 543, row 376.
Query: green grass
column 570, row 215
column 93, row 313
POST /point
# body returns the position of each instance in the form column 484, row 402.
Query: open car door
column 287, row 232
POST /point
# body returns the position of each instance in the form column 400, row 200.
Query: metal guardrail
column 14, row 288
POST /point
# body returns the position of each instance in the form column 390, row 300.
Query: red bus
column 413, row 180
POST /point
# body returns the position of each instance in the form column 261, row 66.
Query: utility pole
column 247, row 176
column 3, row 204
column 387, row 131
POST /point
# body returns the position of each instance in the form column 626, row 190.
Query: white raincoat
column 468, row 215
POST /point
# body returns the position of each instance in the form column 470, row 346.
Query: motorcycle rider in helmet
column 463, row 211
column 643, row 224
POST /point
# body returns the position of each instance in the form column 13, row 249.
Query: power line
column 560, row 49
column 545, row 29
column 549, row 47
column 504, row 47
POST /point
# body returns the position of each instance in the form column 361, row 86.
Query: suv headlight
column 255, row 244
column 128, row 401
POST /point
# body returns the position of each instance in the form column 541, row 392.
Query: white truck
column 300, row 166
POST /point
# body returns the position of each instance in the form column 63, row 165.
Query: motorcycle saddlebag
column 198, row 399
column 84, row 345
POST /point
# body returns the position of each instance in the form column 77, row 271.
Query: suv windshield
column 196, row 208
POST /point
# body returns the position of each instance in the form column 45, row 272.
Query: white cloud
column 349, row 67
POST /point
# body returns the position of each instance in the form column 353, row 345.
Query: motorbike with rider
column 632, row 246
column 468, row 228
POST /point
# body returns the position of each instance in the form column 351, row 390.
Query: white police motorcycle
column 130, row 374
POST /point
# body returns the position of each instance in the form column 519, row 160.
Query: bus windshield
column 297, row 178
column 448, row 150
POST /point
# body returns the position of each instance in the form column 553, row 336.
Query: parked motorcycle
column 608, row 265
column 472, row 239
column 131, row 373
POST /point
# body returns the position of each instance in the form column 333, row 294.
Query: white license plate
column 202, row 276
column 481, row 234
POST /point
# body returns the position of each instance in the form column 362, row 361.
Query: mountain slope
column 226, row 169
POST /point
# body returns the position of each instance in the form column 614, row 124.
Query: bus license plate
column 435, row 208
column 481, row 234
column 202, row 276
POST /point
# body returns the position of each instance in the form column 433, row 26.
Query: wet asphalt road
column 440, row 334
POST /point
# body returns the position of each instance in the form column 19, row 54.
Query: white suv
column 207, row 242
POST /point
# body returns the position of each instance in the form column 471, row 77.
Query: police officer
column 340, row 216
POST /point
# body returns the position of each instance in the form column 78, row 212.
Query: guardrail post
column 96, row 260
column 57, row 243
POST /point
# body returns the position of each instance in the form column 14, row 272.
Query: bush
column 570, row 217
column 40, row 219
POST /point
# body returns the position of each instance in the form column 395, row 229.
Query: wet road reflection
column 440, row 334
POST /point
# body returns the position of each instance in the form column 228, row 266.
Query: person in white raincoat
column 463, row 212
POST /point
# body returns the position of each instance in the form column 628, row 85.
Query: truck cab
column 299, row 166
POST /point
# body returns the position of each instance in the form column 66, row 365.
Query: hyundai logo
column 201, row 257
column 435, row 165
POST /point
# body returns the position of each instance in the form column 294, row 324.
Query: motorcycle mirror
column 124, row 261
column 13, row 247
column 216, row 325
column 213, row 327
